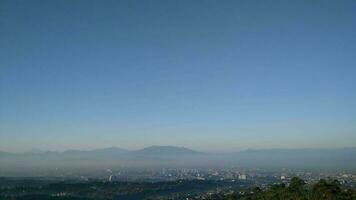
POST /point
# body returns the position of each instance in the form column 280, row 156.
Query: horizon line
column 38, row 150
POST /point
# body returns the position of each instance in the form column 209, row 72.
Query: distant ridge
column 162, row 156
column 165, row 150
column 287, row 150
column 110, row 150
column 151, row 150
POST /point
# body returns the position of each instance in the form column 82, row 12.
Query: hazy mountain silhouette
column 164, row 151
column 164, row 156
column 344, row 158
column 104, row 151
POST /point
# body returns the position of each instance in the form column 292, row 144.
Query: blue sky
column 209, row 75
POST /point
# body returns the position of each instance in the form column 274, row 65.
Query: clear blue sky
column 209, row 75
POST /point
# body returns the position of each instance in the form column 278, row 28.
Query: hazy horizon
column 236, row 150
column 213, row 76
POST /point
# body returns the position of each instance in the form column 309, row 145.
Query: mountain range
column 151, row 151
column 170, row 156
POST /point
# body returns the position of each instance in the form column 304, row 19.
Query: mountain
column 170, row 156
column 342, row 158
column 104, row 151
column 165, row 151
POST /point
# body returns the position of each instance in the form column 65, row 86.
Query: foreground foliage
column 298, row 190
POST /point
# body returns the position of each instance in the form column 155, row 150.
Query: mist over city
column 177, row 100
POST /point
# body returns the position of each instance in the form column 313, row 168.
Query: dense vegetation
column 106, row 190
column 298, row 190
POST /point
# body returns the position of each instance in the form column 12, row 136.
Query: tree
column 325, row 190
column 296, row 190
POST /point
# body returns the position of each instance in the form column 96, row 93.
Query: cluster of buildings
column 258, row 177
column 172, row 174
